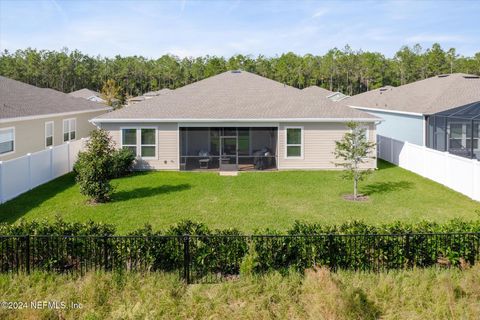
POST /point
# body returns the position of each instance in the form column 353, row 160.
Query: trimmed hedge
column 353, row 245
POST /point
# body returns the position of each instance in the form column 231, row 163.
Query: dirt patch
column 360, row 198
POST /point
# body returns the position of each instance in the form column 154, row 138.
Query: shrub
column 122, row 163
column 93, row 167
column 354, row 245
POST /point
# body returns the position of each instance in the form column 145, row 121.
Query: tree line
column 344, row 70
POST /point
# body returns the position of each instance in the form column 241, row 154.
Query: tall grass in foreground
column 415, row 294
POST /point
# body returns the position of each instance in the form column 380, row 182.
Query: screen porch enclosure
column 228, row 148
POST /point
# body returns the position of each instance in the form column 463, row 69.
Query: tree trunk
column 355, row 188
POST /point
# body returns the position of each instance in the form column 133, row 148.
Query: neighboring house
column 148, row 95
column 32, row 118
column 92, row 96
column 234, row 121
column 88, row 94
column 442, row 112
column 324, row 93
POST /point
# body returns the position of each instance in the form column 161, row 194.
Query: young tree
column 93, row 167
column 110, row 91
column 354, row 149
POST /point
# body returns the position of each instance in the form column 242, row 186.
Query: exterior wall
column 167, row 155
column 319, row 145
column 402, row 127
column 30, row 134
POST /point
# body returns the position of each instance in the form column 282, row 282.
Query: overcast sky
column 193, row 28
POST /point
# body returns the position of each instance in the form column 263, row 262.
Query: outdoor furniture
column 261, row 158
column 203, row 162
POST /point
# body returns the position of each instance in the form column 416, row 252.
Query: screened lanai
column 456, row 131
column 228, row 148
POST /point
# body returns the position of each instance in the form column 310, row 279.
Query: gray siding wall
column 319, row 145
column 167, row 155
column 30, row 134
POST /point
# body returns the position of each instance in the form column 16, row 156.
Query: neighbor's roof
column 235, row 95
column 427, row 96
column 18, row 99
column 317, row 91
column 84, row 93
column 157, row 93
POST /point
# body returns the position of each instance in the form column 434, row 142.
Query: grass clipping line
column 416, row 294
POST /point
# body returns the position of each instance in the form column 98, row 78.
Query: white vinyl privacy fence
column 25, row 173
column 457, row 173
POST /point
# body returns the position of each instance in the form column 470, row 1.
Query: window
column 366, row 133
column 294, row 142
column 142, row 142
column 69, row 129
column 148, row 142
column 129, row 140
column 48, row 133
column 7, row 140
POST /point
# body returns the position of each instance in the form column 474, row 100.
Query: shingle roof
column 427, row 96
column 236, row 95
column 317, row 91
column 84, row 93
column 18, row 99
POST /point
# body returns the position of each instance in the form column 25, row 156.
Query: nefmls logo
column 48, row 305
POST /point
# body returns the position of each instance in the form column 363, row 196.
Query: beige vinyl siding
column 318, row 145
column 30, row 134
column 166, row 157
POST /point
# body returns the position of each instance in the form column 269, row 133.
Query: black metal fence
column 213, row 258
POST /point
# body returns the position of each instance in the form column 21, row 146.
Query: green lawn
column 249, row 201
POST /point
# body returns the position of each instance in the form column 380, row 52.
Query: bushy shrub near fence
column 195, row 251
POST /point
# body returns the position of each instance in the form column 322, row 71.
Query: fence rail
column 458, row 173
column 24, row 173
column 212, row 258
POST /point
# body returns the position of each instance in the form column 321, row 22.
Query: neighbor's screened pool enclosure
column 456, row 131
column 228, row 148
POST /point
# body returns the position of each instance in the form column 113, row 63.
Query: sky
column 224, row 28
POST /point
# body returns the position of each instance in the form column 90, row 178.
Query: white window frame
column 139, row 141
column 69, row 129
column 301, row 145
column 53, row 133
column 14, row 141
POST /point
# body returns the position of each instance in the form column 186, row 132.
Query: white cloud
column 320, row 12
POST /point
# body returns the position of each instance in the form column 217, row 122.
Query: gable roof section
column 427, row 96
column 237, row 96
column 18, row 99
column 317, row 91
column 85, row 93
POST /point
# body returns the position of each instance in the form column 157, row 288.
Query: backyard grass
column 320, row 294
column 250, row 201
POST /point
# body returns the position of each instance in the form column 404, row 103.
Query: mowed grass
column 320, row 294
column 250, row 201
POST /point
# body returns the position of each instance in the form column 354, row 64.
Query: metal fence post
column 105, row 253
column 27, row 243
column 407, row 249
column 331, row 252
column 1, row 182
column 186, row 258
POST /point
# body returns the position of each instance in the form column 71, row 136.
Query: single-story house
column 32, row 118
column 442, row 112
column 88, row 94
column 148, row 95
column 234, row 121
column 319, row 91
